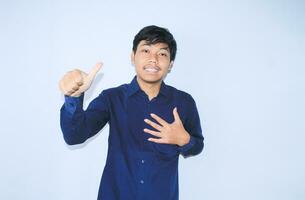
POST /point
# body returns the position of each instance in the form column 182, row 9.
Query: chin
column 148, row 79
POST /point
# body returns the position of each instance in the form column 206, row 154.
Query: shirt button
column 142, row 161
column 142, row 182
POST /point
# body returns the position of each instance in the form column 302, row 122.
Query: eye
column 163, row 54
column 145, row 50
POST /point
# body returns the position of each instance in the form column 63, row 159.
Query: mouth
column 152, row 69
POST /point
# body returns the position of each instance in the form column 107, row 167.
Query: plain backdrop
column 242, row 61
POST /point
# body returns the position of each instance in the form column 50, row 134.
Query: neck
column 151, row 89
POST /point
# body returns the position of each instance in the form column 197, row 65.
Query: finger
column 156, row 140
column 79, row 83
column 72, row 86
column 153, row 124
column 75, row 87
column 73, row 90
column 176, row 115
column 94, row 70
column 155, row 133
column 62, row 88
column 76, row 94
column 77, row 76
column 159, row 119
column 68, row 93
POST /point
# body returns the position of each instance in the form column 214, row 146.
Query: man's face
column 152, row 62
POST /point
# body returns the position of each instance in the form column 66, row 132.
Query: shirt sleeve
column 193, row 127
column 78, row 125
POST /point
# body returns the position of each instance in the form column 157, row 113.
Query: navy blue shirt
column 135, row 168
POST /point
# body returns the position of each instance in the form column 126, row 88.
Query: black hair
column 154, row 34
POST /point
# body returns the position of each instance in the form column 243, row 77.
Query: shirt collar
column 134, row 87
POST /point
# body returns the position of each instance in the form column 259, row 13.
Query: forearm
column 73, row 126
column 193, row 127
column 72, row 120
column 78, row 125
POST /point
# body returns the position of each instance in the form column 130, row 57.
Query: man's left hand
column 168, row 133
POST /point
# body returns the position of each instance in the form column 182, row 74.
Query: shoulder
column 181, row 95
column 115, row 91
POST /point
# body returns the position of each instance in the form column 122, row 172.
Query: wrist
column 185, row 139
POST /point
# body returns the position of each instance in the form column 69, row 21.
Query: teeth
column 151, row 69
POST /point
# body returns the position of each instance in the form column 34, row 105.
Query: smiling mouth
column 151, row 69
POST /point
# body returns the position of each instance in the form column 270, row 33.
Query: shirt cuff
column 183, row 149
column 73, row 103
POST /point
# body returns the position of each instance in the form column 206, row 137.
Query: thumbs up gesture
column 75, row 82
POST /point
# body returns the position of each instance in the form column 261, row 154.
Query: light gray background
column 242, row 61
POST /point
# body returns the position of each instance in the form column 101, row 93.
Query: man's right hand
column 75, row 82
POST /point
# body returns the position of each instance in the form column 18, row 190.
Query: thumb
column 94, row 71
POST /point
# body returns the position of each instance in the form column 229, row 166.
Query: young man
column 150, row 123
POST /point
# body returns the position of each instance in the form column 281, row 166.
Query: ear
column 170, row 66
column 132, row 57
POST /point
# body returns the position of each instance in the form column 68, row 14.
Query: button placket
column 142, row 169
column 147, row 114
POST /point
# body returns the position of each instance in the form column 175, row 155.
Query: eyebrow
column 164, row 48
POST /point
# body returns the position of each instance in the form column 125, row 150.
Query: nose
column 153, row 58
